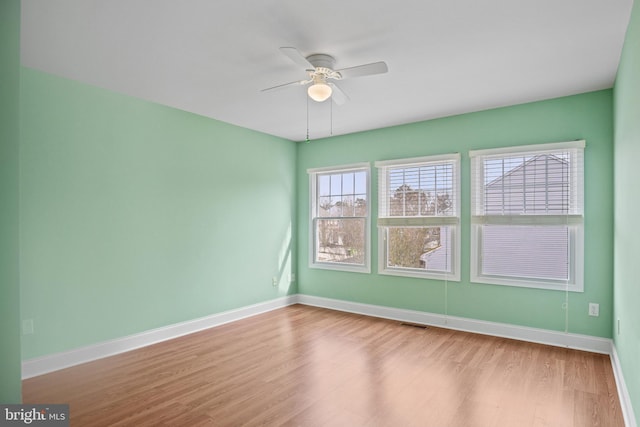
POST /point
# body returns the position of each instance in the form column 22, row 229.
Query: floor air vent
column 413, row 325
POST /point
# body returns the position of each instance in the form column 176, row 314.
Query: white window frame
column 313, row 217
column 451, row 221
column 573, row 219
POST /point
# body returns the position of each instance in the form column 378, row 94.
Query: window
column 527, row 216
column 340, row 218
column 419, row 217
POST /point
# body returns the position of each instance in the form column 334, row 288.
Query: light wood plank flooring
column 306, row 366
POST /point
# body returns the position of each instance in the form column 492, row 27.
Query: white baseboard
column 623, row 393
column 54, row 362
column 523, row 333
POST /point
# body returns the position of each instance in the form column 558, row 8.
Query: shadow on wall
column 285, row 277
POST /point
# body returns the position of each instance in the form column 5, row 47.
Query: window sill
column 520, row 283
column 450, row 277
column 341, row 267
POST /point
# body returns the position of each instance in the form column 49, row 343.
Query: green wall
column 627, row 204
column 587, row 116
column 10, row 386
column 136, row 216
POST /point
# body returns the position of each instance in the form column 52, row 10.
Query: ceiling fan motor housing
column 322, row 60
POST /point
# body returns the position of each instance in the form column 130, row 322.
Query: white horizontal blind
column 535, row 252
column 413, row 190
column 536, row 181
column 527, row 211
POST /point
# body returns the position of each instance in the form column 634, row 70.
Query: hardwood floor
column 306, row 366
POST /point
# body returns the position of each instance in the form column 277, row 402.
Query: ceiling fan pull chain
column 330, row 118
column 307, row 98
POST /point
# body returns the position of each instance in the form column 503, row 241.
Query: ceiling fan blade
column 296, row 83
column 295, row 55
column 364, row 70
column 338, row 95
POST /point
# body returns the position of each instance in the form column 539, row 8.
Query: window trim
column 574, row 220
column 313, row 173
column 452, row 221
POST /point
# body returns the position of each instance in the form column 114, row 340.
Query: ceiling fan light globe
column 319, row 92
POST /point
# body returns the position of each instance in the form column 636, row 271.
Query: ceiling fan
column 320, row 68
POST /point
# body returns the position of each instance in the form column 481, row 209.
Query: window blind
column 540, row 180
column 418, row 191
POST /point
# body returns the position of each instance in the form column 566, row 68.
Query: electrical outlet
column 618, row 326
column 27, row 327
column 274, row 281
column 292, row 277
column 594, row 309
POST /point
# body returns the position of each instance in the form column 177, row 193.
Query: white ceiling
column 213, row 57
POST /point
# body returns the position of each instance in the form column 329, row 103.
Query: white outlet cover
column 27, row 327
